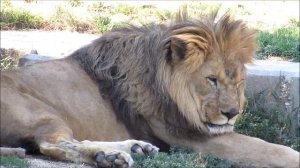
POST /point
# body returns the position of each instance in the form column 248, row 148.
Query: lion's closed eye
column 240, row 83
column 212, row 80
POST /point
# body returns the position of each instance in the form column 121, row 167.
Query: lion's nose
column 231, row 113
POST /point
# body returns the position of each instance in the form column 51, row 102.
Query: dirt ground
column 42, row 162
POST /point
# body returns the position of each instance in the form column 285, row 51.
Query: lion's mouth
column 219, row 129
column 218, row 126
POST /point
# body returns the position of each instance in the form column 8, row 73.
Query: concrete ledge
column 278, row 77
column 281, row 76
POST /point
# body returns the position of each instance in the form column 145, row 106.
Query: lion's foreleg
column 241, row 149
column 245, row 150
column 102, row 154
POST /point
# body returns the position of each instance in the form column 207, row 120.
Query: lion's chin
column 219, row 129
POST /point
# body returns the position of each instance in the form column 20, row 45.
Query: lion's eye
column 212, row 80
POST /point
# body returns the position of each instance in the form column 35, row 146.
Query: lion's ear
column 177, row 50
column 188, row 49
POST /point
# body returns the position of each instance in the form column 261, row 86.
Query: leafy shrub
column 103, row 23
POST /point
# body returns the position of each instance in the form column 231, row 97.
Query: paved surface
column 51, row 43
column 281, row 76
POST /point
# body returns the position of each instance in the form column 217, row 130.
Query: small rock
column 32, row 58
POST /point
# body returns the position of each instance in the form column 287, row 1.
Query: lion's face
column 207, row 73
column 218, row 91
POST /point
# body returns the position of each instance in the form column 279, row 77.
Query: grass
column 282, row 42
column 13, row 162
column 19, row 19
column 178, row 158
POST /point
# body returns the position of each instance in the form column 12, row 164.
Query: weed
column 9, row 58
column 63, row 19
column 13, row 162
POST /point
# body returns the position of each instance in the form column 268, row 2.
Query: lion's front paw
column 143, row 148
column 117, row 159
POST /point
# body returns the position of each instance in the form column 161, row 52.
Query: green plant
column 13, row 162
column 270, row 123
column 103, row 23
column 283, row 42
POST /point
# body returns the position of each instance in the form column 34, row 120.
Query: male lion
column 181, row 84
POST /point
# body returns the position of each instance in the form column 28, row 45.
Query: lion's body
column 178, row 85
column 75, row 108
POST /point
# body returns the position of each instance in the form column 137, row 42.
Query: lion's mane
column 133, row 67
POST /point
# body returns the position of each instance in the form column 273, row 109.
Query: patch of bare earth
column 45, row 162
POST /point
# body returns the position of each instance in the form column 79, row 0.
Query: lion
column 140, row 90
